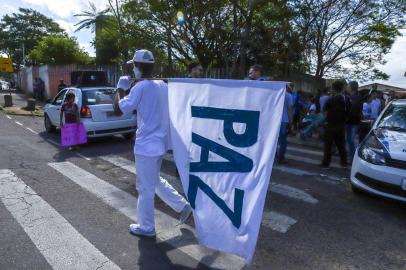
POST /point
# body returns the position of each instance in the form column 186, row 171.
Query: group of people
column 38, row 86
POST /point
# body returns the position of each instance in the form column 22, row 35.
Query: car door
column 54, row 109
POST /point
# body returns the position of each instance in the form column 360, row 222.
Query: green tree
column 58, row 49
column 347, row 37
column 25, row 28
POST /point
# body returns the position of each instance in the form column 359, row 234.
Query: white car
column 96, row 112
column 379, row 165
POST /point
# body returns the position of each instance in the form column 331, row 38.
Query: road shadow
column 153, row 253
column 93, row 148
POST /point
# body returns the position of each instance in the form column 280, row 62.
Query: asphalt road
column 65, row 209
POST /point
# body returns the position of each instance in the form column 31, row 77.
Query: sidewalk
column 19, row 104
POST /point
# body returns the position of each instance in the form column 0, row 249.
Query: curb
column 22, row 112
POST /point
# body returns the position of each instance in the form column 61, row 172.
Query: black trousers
column 334, row 134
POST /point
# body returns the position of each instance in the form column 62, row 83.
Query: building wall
column 55, row 73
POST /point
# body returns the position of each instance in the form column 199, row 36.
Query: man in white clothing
column 150, row 99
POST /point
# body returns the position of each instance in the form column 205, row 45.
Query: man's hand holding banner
column 224, row 137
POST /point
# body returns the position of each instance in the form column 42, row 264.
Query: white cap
column 124, row 82
column 142, row 56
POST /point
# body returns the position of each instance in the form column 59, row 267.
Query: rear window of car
column 98, row 96
column 394, row 118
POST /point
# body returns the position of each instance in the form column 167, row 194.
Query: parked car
column 4, row 85
column 96, row 112
column 379, row 165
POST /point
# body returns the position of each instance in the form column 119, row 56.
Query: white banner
column 224, row 138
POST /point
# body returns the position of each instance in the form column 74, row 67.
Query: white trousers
column 148, row 183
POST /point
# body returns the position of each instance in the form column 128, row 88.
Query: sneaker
column 185, row 213
column 136, row 230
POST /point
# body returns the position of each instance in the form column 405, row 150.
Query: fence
column 51, row 74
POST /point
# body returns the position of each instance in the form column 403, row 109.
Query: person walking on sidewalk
column 286, row 120
column 336, row 109
column 150, row 99
column 354, row 119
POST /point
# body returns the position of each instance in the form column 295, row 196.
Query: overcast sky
column 62, row 12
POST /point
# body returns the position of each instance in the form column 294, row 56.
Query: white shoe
column 185, row 213
column 136, row 230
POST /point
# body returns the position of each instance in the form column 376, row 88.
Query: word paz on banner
column 236, row 161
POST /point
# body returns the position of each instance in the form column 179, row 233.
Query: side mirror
column 48, row 100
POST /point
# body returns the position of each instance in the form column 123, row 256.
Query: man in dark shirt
column 354, row 118
column 61, row 85
column 336, row 110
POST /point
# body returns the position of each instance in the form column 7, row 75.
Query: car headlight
column 372, row 151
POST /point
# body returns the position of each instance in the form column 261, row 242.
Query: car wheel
column 356, row 189
column 128, row 136
column 48, row 125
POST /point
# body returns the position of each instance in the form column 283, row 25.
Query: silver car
column 96, row 112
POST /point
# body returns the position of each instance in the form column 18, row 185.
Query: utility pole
column 23, row 55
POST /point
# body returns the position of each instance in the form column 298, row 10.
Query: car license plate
column 404, row 184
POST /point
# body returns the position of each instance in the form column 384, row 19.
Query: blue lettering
column 236, row 161
column 249, row 118
column 195, row 183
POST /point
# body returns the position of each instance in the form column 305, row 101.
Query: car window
column 98, row 96
column 394, row 118
column 59, row 98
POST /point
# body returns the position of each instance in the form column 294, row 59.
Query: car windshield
column 394, row 118
column 98, row 96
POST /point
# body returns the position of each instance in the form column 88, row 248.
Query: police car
column 379, row 165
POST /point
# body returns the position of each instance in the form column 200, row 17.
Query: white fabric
column 214, row 226
column 124, row 82
column 150, row 99
column 148, row 183
column 375, row 108
column 312, row 108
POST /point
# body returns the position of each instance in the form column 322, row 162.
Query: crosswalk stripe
column 310, row 160
column 300, row 172
column 277, row 221
column 168, row 229
column 305, row 151
column 129, row 166
column 292, row 192
column 57, row 240
column 175, row 182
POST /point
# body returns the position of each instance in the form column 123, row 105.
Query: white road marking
column 32, row 131
column 84, row 157
column 8, row 117
column 18, row 123
column 53, row 142
column 285, row 169
column 167, row 227
column 310, row 161
column 292, row 192
column 58, row 241
column 300, row 172
column 277, row 221
column 281, row 223
column 305, row 151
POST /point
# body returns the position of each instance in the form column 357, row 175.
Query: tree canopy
column 25, row 28
column 58, row 49
column 325, row 38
